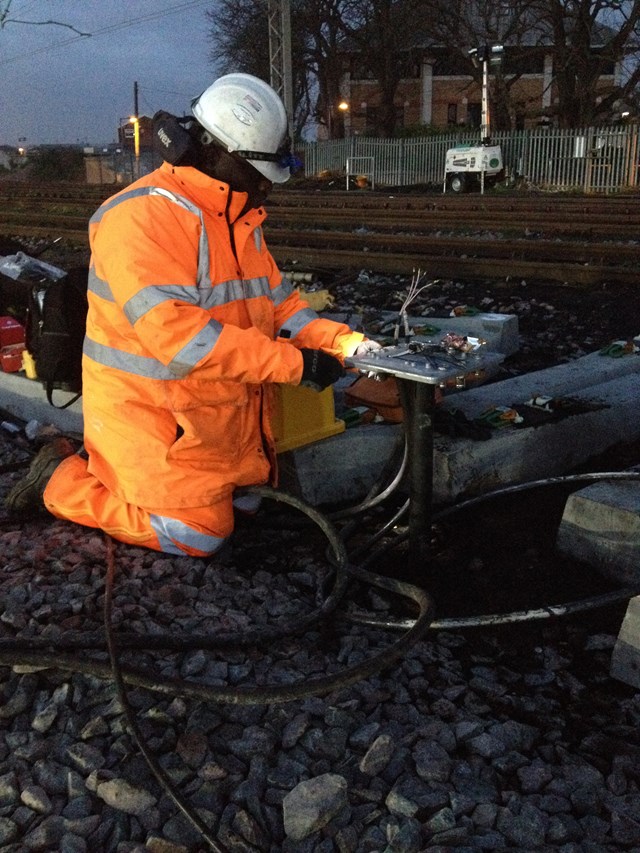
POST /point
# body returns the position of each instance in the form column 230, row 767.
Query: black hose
column 492, row 619
column 22, row 651
column 375, row 497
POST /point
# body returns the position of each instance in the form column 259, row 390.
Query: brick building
column 438, row 90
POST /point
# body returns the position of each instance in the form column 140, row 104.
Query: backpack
column 55, row 330
column 54, row 316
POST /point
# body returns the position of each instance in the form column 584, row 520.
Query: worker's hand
column 369, row 347
column 366, row 347
column 319, row 369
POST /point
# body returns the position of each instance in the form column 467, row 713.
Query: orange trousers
column 74, row 494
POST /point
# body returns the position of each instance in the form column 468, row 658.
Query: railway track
column 576, row 240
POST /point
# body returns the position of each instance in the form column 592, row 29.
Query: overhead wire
column 111, row 28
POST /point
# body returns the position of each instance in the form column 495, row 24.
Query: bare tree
column 324, row 34
column 588, row 40
column 460, row 26
column 6, row 18
column 385, row 34
column 240, row 42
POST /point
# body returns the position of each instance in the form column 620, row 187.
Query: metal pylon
column 280, row 53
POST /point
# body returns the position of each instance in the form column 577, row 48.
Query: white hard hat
column 245, row 115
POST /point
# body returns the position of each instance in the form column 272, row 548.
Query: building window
column 474, row 113
column 371, row 118
column 452, row 114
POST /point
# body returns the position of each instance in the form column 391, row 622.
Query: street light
column 485, row 56
column 135, row 121
column 343, row 107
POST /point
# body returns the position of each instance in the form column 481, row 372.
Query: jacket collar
column 210, row 193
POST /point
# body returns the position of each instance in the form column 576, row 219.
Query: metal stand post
column 419, row 368
column 418, row 403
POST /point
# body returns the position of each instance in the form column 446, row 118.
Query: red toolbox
column 11, row 332
column 11, row 358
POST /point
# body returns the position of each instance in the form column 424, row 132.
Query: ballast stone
column 312, row 804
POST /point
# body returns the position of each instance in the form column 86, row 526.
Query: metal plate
column 428, row 363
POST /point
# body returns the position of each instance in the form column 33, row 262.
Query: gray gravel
column 476, row 740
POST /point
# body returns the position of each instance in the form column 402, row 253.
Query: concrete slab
column 601, row 526
column 342, row 468
column 500, row 331
column 625, row 658
column 464, row 467
column 27, row 400
column 561, row 380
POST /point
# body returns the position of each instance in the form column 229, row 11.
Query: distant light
column 343, row 105
column 625, row 114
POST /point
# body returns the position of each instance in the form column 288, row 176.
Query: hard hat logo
column 243, row 115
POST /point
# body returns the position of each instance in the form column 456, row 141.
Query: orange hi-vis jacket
column 189, row 324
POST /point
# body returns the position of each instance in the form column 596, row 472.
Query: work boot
column 27, row 493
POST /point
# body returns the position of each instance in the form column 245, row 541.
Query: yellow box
column 302, row 415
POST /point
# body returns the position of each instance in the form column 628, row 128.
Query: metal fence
column 594, row 159
column 119, row 166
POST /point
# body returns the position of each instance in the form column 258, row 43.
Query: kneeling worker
column 190, row 325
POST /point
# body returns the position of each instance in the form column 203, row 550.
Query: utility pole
column 135, row 120
column 279, row 13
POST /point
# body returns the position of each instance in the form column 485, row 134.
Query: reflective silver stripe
column 221, row 294
column 297, row 322
column 257, row 238
column 170, row 530
column 280, row 293
column 229, row 291
column 139, row 365
column 254, row 287
column 114, row 202
column 198, row 347
column 99, row 286
column 203, row 279
column 211, row 297
column 147, row 298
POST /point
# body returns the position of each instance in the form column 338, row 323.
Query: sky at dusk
column 57, row 86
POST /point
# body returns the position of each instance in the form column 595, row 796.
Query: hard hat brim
column 272, row 171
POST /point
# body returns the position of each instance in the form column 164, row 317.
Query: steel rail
column 463, row 237
column 438, row 266
column 604, row 226
column 615, row 254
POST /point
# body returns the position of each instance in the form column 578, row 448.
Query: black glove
column 319, row 369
